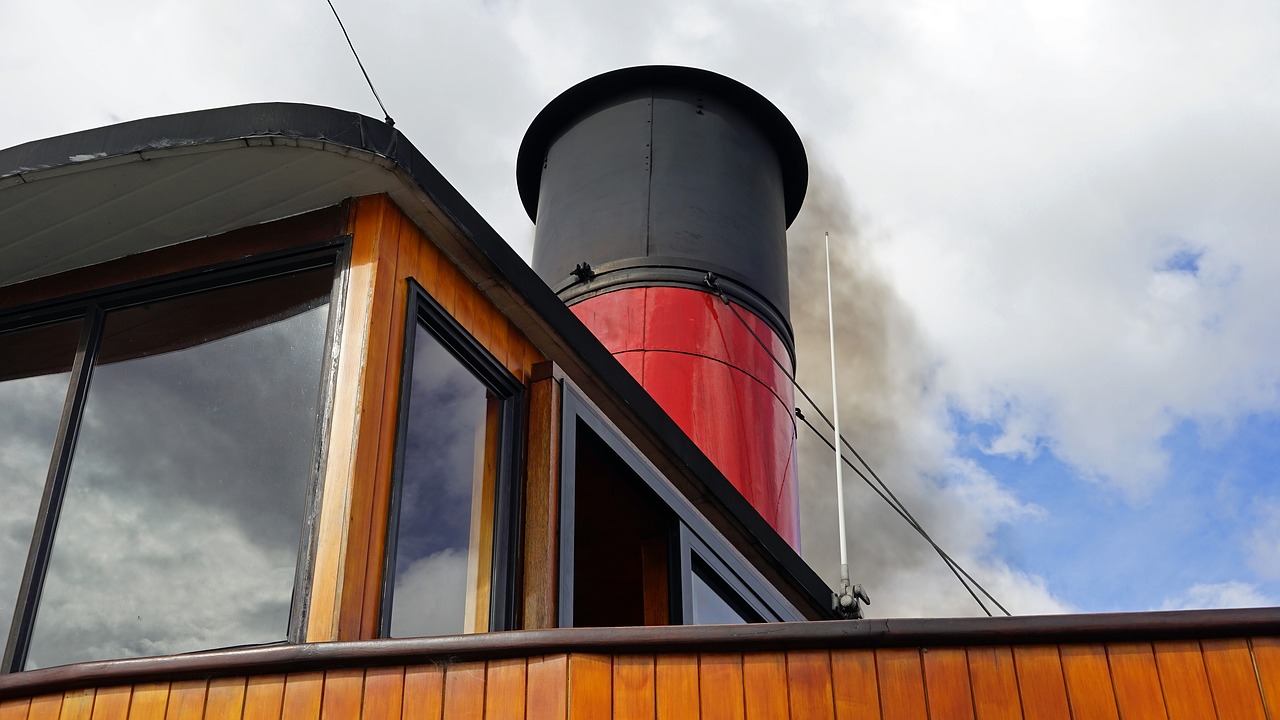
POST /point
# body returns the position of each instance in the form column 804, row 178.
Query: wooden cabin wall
column 1234, row 678
column 387, row 250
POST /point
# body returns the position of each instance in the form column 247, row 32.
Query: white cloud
column 1232, row 594
column 1263, row 545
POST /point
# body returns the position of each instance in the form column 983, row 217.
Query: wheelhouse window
column 450, row 532
column 183, row 423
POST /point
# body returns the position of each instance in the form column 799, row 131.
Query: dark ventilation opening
column 622, row 542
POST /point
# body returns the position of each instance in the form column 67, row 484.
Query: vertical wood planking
column 1136, row 681
column 111, row 703
column 765, row 687
column 224, row 699
column 383, row 693
column 15, row 709
column 1266, row 656
column 677, row 681
column 464, row 691
column 946, row 682
column 1088, row 679
column 148, row 701
column 633, row 688
column 379, row 239
column 328, row 590
column 853, row 680
column 505, row 689
column 1233, row 679
column 77, row 705
column 186, row 700
column 542, row 502
column 1183, row 680
column 48, row 707
column 343, row 693
column 809, row 685
column 423, row 692
column 590, row 686
column 1040, row 682
column 548, row 689
column 263, row 697
column 995, row 683
column 901, row 681
column 303, row 693
column 720, row 691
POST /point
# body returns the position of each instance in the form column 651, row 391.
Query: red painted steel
column 715, row 380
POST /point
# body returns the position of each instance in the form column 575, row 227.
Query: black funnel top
column 658, row 175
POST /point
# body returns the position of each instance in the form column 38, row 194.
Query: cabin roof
column 97, row 195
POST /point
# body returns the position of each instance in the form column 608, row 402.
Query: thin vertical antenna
column 386, row 115
column 847, row 601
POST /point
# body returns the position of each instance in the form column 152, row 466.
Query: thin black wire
column 386, row 115
column 951, row 564
column 895, row 503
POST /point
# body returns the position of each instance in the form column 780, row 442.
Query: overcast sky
column 1056, row 221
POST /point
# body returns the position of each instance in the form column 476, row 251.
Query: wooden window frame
column 505, row 511
column 694, row 536
column 92, row 304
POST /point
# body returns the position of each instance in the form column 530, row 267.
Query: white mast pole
column 849, row 596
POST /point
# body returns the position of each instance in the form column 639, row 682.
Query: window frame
column 423, row 309
column 694, row 538
column 92, row 307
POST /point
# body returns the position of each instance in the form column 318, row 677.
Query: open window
column 159, row 448
column 633, row 550
column 452, row 524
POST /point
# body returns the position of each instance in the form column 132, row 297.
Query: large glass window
column 450, row 526
column 176, row 505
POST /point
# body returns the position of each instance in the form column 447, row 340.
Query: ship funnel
column 660, row 193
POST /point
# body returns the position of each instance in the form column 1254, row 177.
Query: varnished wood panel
column 633, row 688
column 1266, row 656
column 946, row 683
column 590, row 686
column 995, row 683
column 303, row 693
column 676, row 678
column 809, row 685
column 764, row 679
column 77, row 705
column 423, row 692
column 148, row 702
column 383, row 693
column 1233, row 679
column 901, row 681
column 548, row 678
column 225, row 699
column 1136, row 681
column 113, row 703
column 464, row 691
column 720, row 692
column 48, row 707
column 264, row 697
column 342, row 694
column 1183, row 680
column 186, row 700
column 542, row 502
column 1088, row 679
column 505, row 689
column 1040, row 682
column 15, row 709
column 853, row 680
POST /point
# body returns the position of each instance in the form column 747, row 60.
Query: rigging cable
column 386, row 115
column 887, row 495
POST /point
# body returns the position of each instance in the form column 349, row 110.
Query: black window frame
column 423, row 309
column 694, row 539
column 92, row 307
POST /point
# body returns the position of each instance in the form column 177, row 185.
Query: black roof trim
column 345, row 129
column 570, row 104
